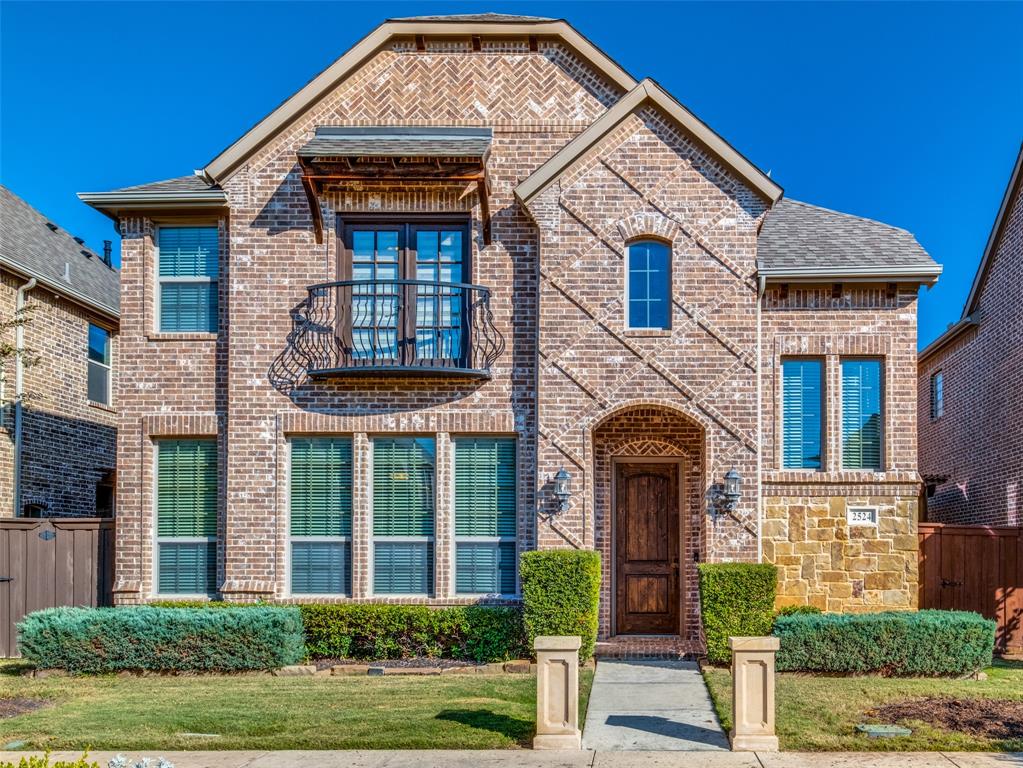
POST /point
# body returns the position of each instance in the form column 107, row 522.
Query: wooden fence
column 52, row 562
column 975, row 568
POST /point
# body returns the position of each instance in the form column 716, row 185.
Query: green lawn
column 262, row 712
column 819, row 713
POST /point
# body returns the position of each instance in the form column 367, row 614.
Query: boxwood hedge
column 736, row 600
column 560, row 595
column 92, row 640
column 894, row 643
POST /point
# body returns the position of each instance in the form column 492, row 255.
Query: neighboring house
column 970, row 388
column 58, row 427
column 475, row 290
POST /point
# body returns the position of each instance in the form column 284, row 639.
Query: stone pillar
column 557, row 693
column 753, row 694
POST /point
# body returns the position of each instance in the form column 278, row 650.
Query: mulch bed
column 394, row 663
column 986, row 718
column 16, row 706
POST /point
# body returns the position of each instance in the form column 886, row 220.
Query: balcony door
column 404, row 301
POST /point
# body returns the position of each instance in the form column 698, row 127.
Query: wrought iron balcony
column 410, row 327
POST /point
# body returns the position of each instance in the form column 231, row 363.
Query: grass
column 262, row 712
column 820, row 713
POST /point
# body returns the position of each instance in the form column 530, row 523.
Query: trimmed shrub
column 736, row 600
column 365, row 631
column 560, row 595
column 797, row 610
column 93, row 640
column 894, row 643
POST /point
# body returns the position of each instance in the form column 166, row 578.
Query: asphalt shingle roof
column 393, row 141
column 470, row 17
column 29, row 246
column 191, row 183
column 799, row 235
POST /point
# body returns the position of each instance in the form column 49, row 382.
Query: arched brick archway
column 650, row 433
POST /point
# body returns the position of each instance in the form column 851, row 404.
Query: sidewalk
column 583, row 759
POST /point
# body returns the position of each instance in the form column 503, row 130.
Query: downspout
column 761, row 288
column 19, row 388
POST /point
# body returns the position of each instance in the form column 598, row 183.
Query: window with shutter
column 802, row 406
column 186, row 516
column 403, row 515
column 861, row 414
column 485, row 515
column 321, row 515
column 188, row 259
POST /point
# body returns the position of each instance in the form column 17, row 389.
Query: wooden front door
column 647, row 549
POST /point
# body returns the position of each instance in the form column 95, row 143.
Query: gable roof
column 180, row 192
column 803, row 241
column 224, row 164
column 1015, row 181
column 647, row 91
column 32, row 246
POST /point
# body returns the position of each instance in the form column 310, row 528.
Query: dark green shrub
column 561, row 594
column 369, row 632
column 894, row 643
column 93, row 640
column 736, row 600
column 797, row 610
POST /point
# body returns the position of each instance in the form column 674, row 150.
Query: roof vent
column 80, row 241
column 51, row 226
column 107, row 246
column 67, row 271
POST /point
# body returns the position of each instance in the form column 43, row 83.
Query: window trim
column 455, row 538
column 670, row 284
column 937, row 398
column 882, row 411
column 187, row 279
column 823, row 407
column 109, row 367
column 158, row 539
column 373, row 538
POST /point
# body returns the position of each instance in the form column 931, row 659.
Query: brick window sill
column 181, row 337
column 102, row 407
column 845, row 476
column 643, row 333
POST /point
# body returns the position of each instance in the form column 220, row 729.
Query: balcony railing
column 374, row 327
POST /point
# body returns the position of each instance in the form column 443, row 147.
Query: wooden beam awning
column 337, row 155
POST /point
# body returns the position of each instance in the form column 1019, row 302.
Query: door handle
column 6, row 578
column 948, row 583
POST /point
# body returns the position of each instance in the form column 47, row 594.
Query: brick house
column 58, row 429
column 970, row 388
column 475, row 290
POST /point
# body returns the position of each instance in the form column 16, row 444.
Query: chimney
column 107, row 245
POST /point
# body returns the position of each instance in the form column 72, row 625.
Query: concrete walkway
column 651, row 705
column 524, row 758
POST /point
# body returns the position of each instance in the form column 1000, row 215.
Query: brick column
column 444, row 519
column 362, row 514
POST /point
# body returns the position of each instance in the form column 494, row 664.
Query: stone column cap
column 557, row 643
column 768, row 643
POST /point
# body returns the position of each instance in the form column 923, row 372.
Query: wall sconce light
column 728, row 497
column 561, row 489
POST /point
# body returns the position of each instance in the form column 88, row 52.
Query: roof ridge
column 845, row 215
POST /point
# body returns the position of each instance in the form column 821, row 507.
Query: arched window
column 648, row 285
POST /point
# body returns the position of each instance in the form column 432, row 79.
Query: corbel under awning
column 337, row 155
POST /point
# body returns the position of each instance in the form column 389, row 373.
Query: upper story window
column 648, row 285
column 802, row 409
column 861, row 414
column 937, row 395
column 408, row 294
column 99, row 378
column 187, row 275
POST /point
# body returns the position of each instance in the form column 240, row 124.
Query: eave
column 951, row 334
column 928, row 275
column 69, row 293
column 113, row 203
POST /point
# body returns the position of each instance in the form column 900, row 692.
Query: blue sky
column 907, row 113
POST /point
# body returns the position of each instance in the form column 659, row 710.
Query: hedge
column 373, row 631
column 476, row 633
column 560, row 595
column 895, row 643
column 93, row 640
column 736, row 600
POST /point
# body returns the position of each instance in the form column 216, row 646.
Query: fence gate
column 975, row 568
column 51, row 562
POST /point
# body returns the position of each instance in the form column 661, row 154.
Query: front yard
column 817, row 712
column 263, row 712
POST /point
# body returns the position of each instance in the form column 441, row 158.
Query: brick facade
column 68, row 443
column 973, row 452
column 574, row 385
